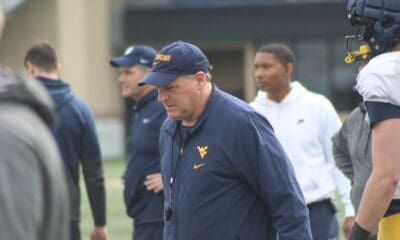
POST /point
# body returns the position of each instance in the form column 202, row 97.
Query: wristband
column 358, row 233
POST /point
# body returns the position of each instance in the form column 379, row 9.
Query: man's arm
column 341, row 153
column 343, row 187
column 269, row 172
column 93, row 175
column 385, row 175
column 329, row 126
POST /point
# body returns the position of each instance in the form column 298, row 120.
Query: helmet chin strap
column 361, row 54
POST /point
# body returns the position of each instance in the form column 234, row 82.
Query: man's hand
column 99, row 233
column 348, row 225
column 154, row 182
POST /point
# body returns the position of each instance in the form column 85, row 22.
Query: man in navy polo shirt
column 143, row 185
column 225, row 174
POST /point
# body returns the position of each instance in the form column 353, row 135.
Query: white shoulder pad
column 379, row 80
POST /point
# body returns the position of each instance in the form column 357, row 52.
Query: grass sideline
column 118, row 224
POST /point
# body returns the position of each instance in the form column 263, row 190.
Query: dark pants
column 75, row 230
column 324, row 224
column 148, row 231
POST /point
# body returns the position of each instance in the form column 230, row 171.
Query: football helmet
column 378, row 27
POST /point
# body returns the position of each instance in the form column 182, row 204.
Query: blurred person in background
column 143, row 190
column 304, row 122
column 33, row 190
column 76, row 138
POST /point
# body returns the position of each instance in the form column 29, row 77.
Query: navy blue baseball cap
column 135, row 55
column 176, row 59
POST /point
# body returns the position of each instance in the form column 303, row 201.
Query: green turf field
column 118, row 224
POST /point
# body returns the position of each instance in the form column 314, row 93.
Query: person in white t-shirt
column 378, row 29
column 304, row 123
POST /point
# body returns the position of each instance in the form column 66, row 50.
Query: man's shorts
column 389, row 227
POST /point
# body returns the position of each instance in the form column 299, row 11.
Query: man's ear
column 201, row 78
column 290, row 69
column 59, row 68
column 31, row 69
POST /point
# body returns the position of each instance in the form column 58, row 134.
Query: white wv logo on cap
column 143, row 61
column 129, row 50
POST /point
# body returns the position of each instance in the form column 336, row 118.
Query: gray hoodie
column 33, row 193
column 352, row 152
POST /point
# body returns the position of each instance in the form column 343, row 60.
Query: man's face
column 270, row 74
column 129, row 78
column 181, row 98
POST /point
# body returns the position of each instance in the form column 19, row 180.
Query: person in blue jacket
column 225, row 174
column 143, row 185
column 76, row 138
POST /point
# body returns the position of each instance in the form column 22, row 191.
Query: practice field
column 119, row 225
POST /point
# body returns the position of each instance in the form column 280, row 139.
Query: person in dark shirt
column 76, row 138
column 225, row 174
column 143, row 185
